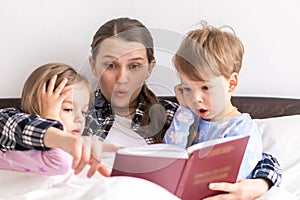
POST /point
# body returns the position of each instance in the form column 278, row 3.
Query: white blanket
column 22, row 186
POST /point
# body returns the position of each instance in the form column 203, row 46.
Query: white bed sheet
column 24, row 186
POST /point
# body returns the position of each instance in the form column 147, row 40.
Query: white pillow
column 281, row 138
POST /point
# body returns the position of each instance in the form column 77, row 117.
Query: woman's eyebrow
column 131, row 59
column 137, row 58
column 109, row 56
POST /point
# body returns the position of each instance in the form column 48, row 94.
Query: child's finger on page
column 103, row 170
column 86, row 153
column 83, row 161
column 94, row 163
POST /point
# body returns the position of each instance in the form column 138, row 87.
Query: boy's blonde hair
column 32, row 89
column 209, row 52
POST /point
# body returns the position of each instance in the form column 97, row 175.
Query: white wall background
column 35, row 32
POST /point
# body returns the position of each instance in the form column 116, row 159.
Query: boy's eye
column 205, row 87
column 186, row 89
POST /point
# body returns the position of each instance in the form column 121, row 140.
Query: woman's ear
column 233, row 81
column 150, row 68
column 92, row 66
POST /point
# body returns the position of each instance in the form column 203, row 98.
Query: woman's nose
column 123, row 75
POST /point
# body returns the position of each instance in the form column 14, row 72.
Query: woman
column 123, row 58
column 127, row 113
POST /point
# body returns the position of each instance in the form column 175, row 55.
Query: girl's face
column 209, row 99
column 122, row 67
column 74, row 109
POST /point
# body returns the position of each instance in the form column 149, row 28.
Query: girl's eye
column 68, row 109
column 84, row 113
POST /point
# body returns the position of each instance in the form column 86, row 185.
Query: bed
column 277, row 118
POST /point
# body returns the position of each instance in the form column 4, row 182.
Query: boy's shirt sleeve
column 268, row 168
column 21, row 131
column 52, row 162
column 178, row 132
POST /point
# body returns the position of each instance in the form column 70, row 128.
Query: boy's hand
column 179, row 95
column 52, row 98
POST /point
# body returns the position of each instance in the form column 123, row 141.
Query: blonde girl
column 54, row 102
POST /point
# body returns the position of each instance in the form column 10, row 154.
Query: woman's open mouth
column 121, row 93
column 76, row 132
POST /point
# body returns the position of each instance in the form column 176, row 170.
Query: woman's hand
column 179, row 95
column 243, row 189
column 52, row 98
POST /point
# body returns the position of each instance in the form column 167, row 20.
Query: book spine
column 184, row 176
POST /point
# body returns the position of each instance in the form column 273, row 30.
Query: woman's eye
column 135, row 66
column 110, row 65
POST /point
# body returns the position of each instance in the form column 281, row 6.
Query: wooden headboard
column 257, row 107
column 263, row 107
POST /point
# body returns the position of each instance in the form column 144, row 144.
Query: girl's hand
column 91, row 155
column 52, row 98
column 179, row 95
column 247, row 189
column 85, row 150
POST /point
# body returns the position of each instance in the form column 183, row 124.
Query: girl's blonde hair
column 209, row 52
column 32, row 89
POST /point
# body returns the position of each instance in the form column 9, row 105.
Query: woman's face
column 121, row 67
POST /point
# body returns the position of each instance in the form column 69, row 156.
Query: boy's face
column 74, row 109
column 208, row 99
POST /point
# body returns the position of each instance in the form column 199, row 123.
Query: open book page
column 156, row 150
